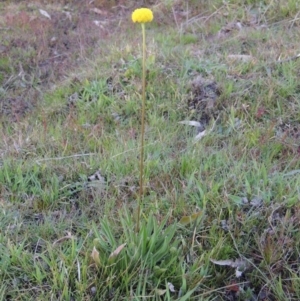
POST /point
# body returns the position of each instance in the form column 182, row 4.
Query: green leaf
column 185, row 220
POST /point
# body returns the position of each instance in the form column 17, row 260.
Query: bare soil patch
column 41, row 43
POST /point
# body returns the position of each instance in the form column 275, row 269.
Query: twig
column 289, row 59
column 175, row 18
column 66, row 157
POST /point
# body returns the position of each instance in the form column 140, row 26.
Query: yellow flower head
column 142, row 15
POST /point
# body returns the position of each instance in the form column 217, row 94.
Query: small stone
column 93, row 290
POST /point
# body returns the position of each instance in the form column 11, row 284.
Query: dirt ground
column 41, row 43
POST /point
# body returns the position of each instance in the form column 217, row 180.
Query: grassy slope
column 243, row 176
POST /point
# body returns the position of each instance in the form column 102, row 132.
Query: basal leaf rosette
column 142, row 15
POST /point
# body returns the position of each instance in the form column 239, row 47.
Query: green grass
column 62, row 234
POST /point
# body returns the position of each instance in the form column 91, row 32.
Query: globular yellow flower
column 142, row 15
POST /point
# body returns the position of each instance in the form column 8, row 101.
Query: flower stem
column 141, row 192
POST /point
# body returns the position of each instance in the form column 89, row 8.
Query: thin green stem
column 141, row 192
